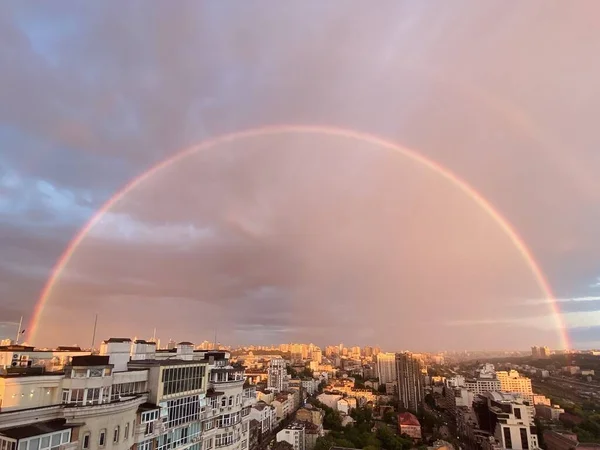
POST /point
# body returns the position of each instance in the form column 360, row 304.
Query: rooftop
column 408, row 419
column 164, row 362
column 142, row 341
column 118, row 340
column 35, row 429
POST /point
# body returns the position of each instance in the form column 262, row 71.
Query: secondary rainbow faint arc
column 303, row 129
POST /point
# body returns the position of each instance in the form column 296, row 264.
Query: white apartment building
column 130, row 397
column 293, row 434
column 513, row 382
column 89, row 406
column 514, row 421
column 482, row 385
column 386, row 367
column 23, row 356
column 277, row 375
column 265, row 415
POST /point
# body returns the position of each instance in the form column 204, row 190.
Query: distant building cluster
column 132, row 394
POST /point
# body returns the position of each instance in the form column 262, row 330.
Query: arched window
column 223, row 401
column 116, row 434
column 126, row 431
column 85, row 442
column 102, row 438
column 231, row 400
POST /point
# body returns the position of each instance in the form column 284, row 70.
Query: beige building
column 513, row 382
column 89, row 406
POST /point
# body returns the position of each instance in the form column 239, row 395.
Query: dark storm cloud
column 94, row 94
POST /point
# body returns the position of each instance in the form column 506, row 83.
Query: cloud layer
column 318, row 238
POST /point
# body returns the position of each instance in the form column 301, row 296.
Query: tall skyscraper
column 410, row 380
column 277, row 375
column 386, row 367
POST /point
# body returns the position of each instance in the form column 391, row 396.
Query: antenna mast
column 94, row 333
column 19, row 330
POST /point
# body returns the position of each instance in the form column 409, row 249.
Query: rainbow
column 302, row 129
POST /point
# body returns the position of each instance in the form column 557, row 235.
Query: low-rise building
column 293, row 434
column 552, row 412
column 409, row 424
column 265, row 415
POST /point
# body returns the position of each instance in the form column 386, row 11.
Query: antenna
column 94, row 333
column 215, row 342
column 19, row 330
column 154, row 336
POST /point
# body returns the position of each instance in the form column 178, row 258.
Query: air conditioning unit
column 15, row 356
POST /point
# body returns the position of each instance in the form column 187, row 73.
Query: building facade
column 386, row 367
column 277, row 375
column 410, row 380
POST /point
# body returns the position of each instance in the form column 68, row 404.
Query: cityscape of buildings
column 133, row 394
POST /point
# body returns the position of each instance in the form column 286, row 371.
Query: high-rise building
column 410, row 380
column 508, row 419
column 131, row 396
column 277, row 375
column 544, row 352
column 386, row 367
column 535, row 351
column 367, row 351
column 299, row 352
column 316, row 355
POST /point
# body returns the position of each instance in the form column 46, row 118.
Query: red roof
column 407, row 418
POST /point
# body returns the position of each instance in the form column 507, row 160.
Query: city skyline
column 487, row 189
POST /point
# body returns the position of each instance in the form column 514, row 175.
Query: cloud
column 348, row 236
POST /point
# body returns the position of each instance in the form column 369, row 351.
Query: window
column 214, row 402
column 146, row 445
column 182, row 410
column 85, row 443
column 93, row 396
column 183, row 379
column 149, row 428
column 77, row 396
column 244, row 444
column 208, row 444
column 65, row 396
column 231, row 400
column 126, row 431
column 208, row 425
column 79, row 373
column 96, row 372
column 222, row 440
column 116, row 434
column 223, row 401
column 150, row 416
column 524, row 440
column 507, row 438
column 102, row 439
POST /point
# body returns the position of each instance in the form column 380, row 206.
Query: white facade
column 482, row 385
column 194, row 401
column 386, row 367
column 88, row 404
column 514, row 421
column 265, row 415
column 21, row 356
column 330, row 400
column 293, row 434
column 277, row 375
